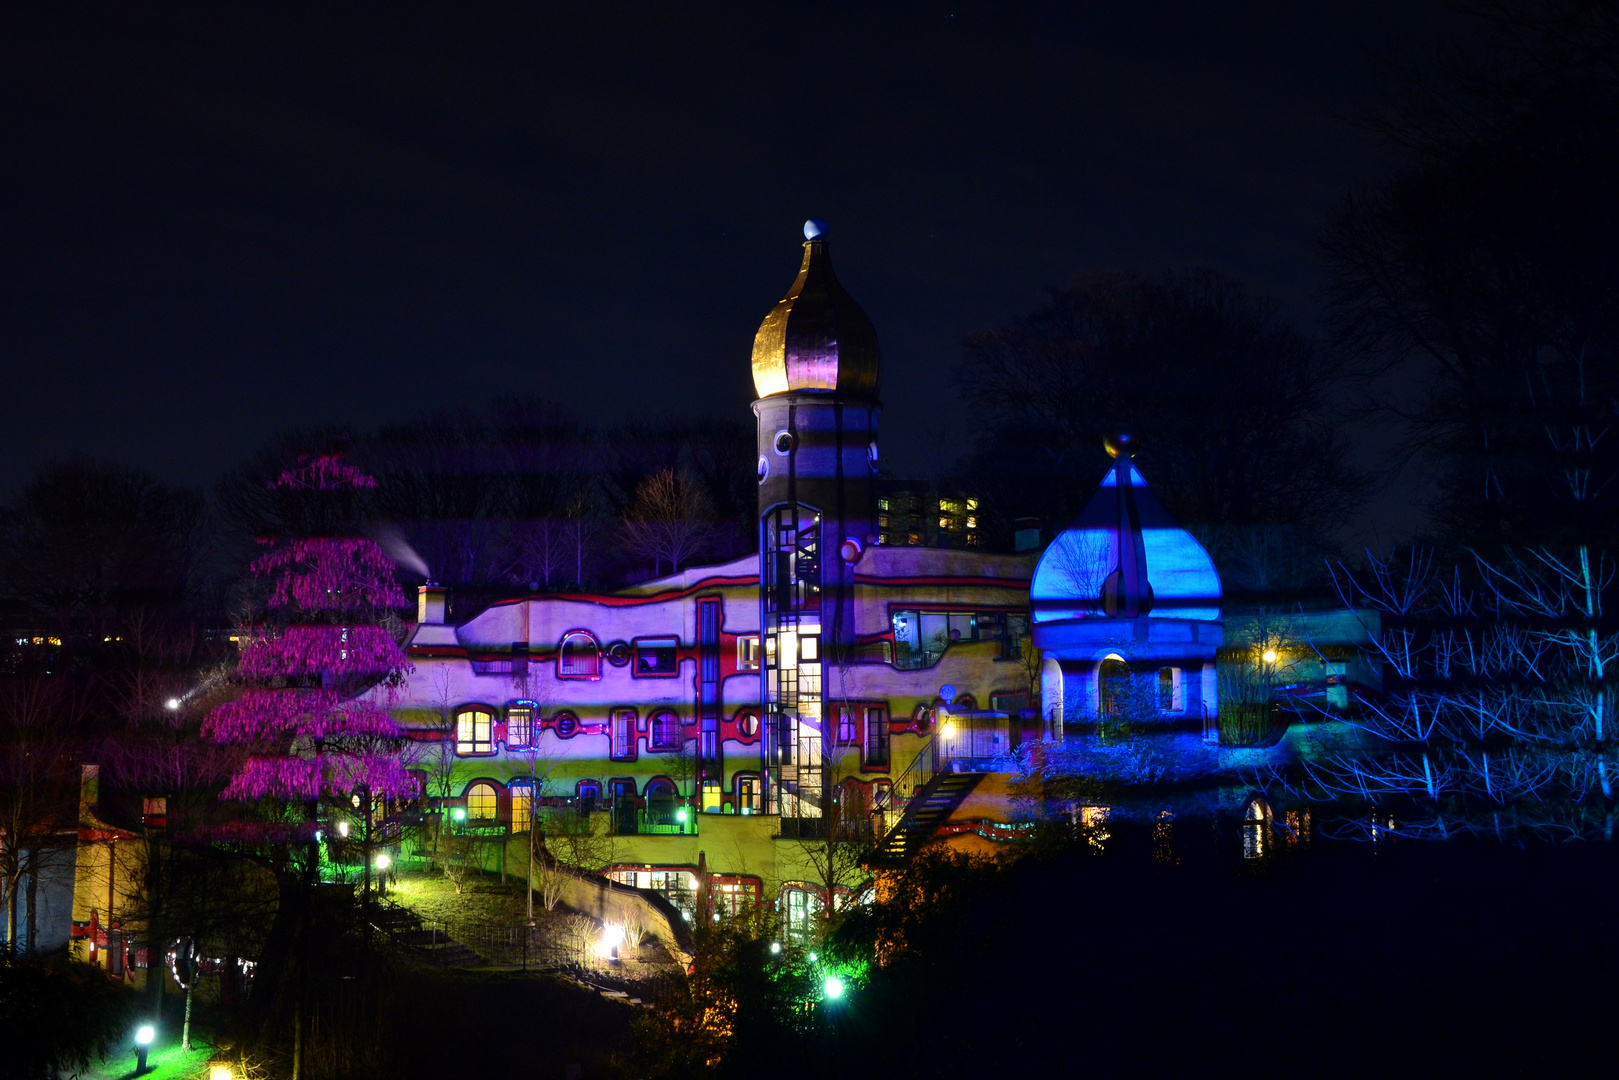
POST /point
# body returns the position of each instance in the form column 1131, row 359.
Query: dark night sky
column 223, row 220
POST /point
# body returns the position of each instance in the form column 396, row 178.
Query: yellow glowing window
column 482, row 803
column 474, row 732
column 809, row 647
column 522, row 808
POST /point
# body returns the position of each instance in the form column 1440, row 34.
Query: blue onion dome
column 816, row 338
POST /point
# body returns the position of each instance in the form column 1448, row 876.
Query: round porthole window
column 748, row 725
column 567, row 725
column 784, row 442
column 764, row 468
column 922, row 718
column 618, row 653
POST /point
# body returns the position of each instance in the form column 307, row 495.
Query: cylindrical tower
column 815, row 369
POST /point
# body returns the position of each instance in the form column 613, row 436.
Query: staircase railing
column 917, row 775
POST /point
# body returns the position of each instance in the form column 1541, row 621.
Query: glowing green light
column 460, row 813
column 812, row 958
column 833, row 987
column 680, row 815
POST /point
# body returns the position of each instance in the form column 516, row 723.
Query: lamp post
column 143, row 1044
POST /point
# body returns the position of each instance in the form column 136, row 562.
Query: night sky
column 224, row 220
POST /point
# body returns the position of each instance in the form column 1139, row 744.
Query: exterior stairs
column 928, row 809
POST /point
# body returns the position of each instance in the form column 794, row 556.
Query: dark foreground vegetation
column 1146, row 960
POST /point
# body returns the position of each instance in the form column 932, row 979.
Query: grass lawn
column 166, row 1061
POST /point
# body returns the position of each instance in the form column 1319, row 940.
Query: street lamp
column 833, row 987
column 1269, row 656
column 383, row 861
column 143, row 1044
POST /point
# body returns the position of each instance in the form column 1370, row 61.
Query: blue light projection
column 1068, row 579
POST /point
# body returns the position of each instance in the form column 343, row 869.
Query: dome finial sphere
column 1120, row 444
column 815, row 228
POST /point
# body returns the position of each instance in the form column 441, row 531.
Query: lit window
column 803, row 908
column 747, row 794
column 809, row 647
column 747, row 654
column 474, row 731
column 666, row 731
column 657, row 657
column 483, row 804
column 846, row 727
column 581, row 657
column 519, row 723
column 522, row 794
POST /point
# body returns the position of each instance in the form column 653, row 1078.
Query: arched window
column 1256, row 817
column 1113, row 688
column 483, row 802
column 475, row 730
column 581, row 658
column 666, row 731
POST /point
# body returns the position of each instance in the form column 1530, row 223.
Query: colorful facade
column 721, row 719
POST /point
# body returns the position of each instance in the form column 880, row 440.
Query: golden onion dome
column 816, row 338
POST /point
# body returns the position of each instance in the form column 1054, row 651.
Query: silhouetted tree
column 1479, row 286
column 1232, row 406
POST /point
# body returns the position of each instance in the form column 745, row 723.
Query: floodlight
column 172, row 704
column 833, row 987
column 775, row 947
column 1269, row 656
column 459, row 813
column 383, row 861
column 680, row 815
column 343, row 829
column 949, row 729
column 612, row 937
column 217, row 1071
column 812, row 958
column 144, row 1035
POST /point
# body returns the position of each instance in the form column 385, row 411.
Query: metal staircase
column 923, row 798
column 930, row 807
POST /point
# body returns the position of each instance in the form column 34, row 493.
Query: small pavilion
column 1126, row 602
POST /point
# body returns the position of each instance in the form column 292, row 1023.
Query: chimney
column 430, row 604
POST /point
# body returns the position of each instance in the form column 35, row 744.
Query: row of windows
column 580, row 656
column 921, row 637
column 475, row 729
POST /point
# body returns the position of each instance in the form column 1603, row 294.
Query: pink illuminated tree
column 311, row 737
